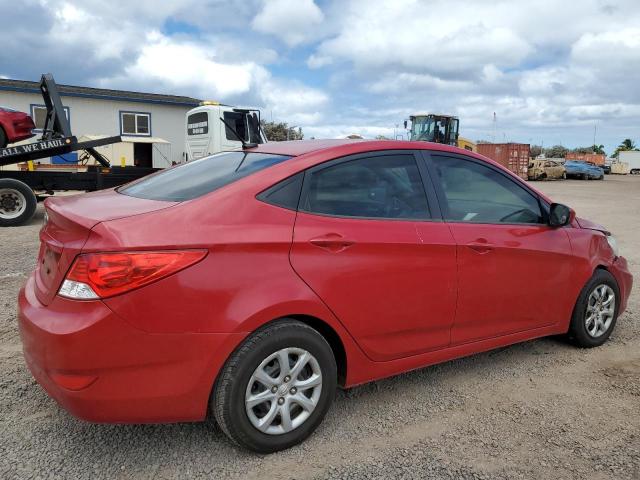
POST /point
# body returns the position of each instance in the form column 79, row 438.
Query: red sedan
column 250, row 284
column 14, row 126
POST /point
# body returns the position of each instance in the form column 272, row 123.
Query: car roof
column 297, row 148
column 329, row 148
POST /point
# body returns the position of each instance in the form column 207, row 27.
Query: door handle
column 333, row 242
column 481, row 246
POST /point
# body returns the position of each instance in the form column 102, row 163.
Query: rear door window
column 381, row 186
column 200, row 177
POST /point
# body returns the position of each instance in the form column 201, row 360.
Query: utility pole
column 493, row 134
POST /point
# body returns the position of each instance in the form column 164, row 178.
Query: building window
column 39, row 115
column 135, row 123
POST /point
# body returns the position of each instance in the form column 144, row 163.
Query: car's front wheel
column 594, row 316
column 276, row 388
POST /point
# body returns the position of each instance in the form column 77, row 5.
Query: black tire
column 228, row 398
column 3, row 138
column 16, row 193
column 578, row 334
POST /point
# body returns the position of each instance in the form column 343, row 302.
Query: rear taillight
column 102, row 275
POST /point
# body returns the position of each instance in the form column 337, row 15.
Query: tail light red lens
column 102, row 275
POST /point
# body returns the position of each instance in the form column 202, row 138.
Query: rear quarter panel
column 244, row 282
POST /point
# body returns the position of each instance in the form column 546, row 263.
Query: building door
column 143, row 155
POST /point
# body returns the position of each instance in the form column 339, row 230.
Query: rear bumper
column 620, row 270
column 117, row 373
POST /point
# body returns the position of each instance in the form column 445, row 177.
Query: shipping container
column 597, row 158
column 514, row 156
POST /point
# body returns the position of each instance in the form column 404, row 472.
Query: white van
column 208, row 134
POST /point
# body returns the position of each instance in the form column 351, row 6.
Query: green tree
column 626, row 145
column 582, row 150
column 281, row 131
column 557, row 151
column 591, row 149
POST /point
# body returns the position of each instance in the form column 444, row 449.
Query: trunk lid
column 70, row 220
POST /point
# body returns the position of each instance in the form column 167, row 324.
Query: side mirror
column 559, row 215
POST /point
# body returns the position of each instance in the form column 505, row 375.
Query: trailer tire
column 3, row 138
column 17, row 202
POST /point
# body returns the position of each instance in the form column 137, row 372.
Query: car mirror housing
column 559, row 215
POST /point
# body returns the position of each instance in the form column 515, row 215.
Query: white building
column 152, row 125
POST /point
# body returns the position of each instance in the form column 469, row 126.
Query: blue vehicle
column 583, row 170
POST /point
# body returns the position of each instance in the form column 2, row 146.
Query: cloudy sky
column 551, row 70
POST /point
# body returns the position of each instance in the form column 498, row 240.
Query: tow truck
column 21, row 189
column 210, row 128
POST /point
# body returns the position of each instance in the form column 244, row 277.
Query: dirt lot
column 537, row 410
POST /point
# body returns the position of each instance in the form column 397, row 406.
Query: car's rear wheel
column 596, row 311
column 276, row 388
column 17, row 202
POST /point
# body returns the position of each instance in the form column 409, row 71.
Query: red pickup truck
column 14, row 126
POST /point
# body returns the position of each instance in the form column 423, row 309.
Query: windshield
column 246, row 124
column 199, row 177
column 422, row 129
column 439, row 129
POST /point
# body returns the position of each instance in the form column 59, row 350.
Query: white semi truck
column 213, row 127
column 632, row 158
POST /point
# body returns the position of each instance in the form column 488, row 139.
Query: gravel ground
column 541, row 409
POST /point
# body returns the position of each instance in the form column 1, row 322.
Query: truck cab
column 212, row 128
column 430, row 127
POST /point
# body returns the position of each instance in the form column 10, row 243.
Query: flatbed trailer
column 20, row 190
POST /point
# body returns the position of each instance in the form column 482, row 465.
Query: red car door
column 513, row 268
column 365, row 243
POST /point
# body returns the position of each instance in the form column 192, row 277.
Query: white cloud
column 405, row 35
column 547, row 69
column 293, row 102
column 293, row 21
column 177, row 65
column 188, row 65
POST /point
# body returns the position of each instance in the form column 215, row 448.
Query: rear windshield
column 200, row 177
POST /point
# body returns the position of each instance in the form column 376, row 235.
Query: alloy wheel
column 601, row 306
column 283, row 391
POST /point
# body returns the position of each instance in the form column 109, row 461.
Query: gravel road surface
column 541, row 409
